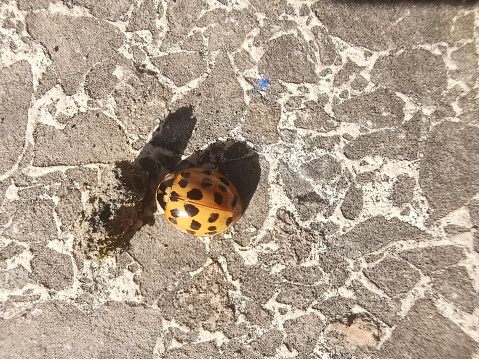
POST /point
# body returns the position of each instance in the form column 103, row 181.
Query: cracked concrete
column 350, row 129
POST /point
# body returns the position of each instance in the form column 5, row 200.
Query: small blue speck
column 262, row 83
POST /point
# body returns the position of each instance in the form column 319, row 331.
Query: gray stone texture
column 15, row 97
column 228, row 30
column 313, row 117
column 349, row 129
column 58, row 329
column 144, row 17
column 353, row 203
column 286, row 59
column 163, row 258
column 418, row 73
column 399, row 143
column 141, row 102
column 403, row 190
column 256, row 210
column 425, row 333
column 431, row 259
column 100, row 80
column 111, row 10
column 182, row 16
column 448, row 174
column 32, row 221
column 268, row 343
column 74, row 44
column 377, row 25
column 181, row 67
column 52, row 269
column 261, row 123
column 404, row 280
column 473, row 206
column 293, row 243
column 219, row 103
column 79, row 143
column 454, row 284
column 302, row 333
column 374, row 233
column 377, row 109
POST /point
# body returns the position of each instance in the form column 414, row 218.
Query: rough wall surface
column 352, row 128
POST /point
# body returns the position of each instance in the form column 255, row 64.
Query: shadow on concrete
column 464, row 3
column 236, row 160
column 138, row 180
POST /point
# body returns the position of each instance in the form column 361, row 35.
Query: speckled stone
column 66, row 36
column 353, row 203
column 401, row 143
column 424, row 332
column 219, row 103
column 374, row 233
column 434, row 258
column 403, row 190
column 52, row 269
column 82, row 141
column 448, row 169
column 103, row 333
column 302, row 333
column 181, row 67
column 286, row 59
column 261, row 123
column 417, row 73
column 454, row 284
column 349, row 129
column 111, row 10
column 406, row 278
column 380, row 108
column 421, row 24
column 15, row 98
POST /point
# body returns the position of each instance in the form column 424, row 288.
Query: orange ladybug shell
column 199, row 201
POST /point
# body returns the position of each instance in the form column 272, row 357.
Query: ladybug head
column 163, row 192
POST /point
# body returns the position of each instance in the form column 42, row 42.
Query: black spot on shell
column 229, row 220
column 222, row 188
column 175, row 212
column 174, row 196
column 195, row 194
column 213, row 217
column 207, row 182
column 195, row 225
column 168, row 183
column 191, row 232
column 173, row 220
column 191, row 210
column 218, row 198
column 225, row 181
column 185, row 174
column 162, row 187
column 161, row 202
column 210, row 233
column 234, row 201
column 183, row 183
column 207, row 172
column 211, row 228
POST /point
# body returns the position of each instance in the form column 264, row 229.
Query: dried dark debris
column 122, row 210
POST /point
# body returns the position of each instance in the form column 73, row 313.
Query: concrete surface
column 350, row 129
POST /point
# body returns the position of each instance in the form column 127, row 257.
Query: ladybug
column 199, row 201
